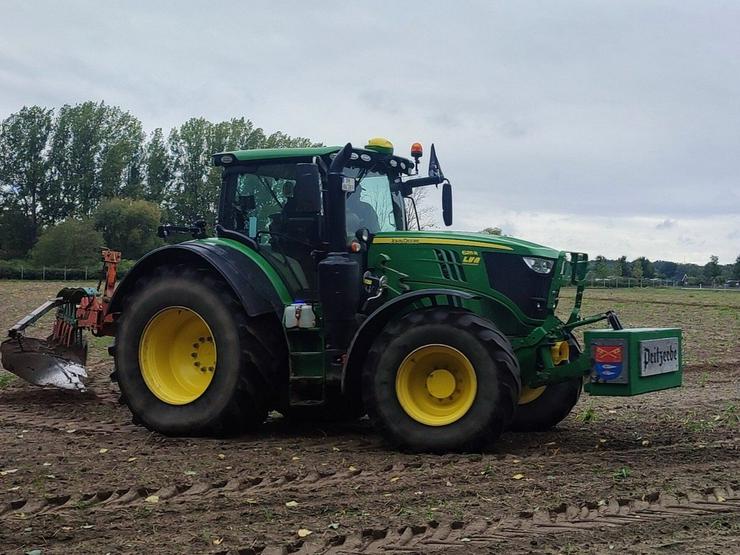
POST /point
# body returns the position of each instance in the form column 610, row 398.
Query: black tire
column 238, row 395
column 495, row 366
column 552, row 406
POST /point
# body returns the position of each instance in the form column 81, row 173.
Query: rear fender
column 257, row 286
column 371, row 327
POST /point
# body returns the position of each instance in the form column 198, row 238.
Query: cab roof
column 257, row 154
column 269, row 153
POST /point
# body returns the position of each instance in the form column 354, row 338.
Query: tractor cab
column 278, row 201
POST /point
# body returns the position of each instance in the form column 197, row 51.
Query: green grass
column 6, row 378
column 588, row 414
column 622, row 473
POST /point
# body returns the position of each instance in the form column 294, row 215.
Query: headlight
column 539, row 265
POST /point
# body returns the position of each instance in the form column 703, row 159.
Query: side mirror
column 447, row 203
column 307, row 191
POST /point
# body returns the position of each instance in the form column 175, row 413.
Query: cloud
column 666, row 224
column 598, row 117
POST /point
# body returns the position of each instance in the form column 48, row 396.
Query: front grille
column 450, row 265
column 508, row 274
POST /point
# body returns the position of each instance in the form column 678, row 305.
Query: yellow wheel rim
column 436, row 385
column 177, row 355
column 530, row 394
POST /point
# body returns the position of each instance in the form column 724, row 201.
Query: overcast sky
column 609, row 127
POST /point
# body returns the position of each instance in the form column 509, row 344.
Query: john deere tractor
column 313, row 298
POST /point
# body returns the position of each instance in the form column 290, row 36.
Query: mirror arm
column 423, row 181
column 416, row 212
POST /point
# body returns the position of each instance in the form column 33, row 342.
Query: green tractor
column 313, row 298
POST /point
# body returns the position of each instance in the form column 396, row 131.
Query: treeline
column 711, row 273
column 74, row 178
column 621, row 270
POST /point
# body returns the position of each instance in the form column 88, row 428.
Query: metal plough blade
column 43, row 363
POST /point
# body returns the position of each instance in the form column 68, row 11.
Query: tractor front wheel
column 541, row 408
column 187, row 360
column 441, row 379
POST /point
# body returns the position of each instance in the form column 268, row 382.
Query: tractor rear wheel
column 441, row 379
column 188, row 359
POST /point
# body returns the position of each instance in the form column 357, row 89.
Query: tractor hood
column 472, row 240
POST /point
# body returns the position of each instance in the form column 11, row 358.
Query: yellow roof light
column 379, row 144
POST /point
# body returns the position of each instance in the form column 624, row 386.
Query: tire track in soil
column 183, row 493
column 480, row 532
column 30, row 416
column 33, row 418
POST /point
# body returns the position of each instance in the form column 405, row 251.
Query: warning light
column 416, row 150
column 416, row 153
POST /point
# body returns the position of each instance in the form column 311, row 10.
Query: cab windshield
column 373, row 204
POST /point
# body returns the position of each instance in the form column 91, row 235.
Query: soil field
column 658, row 473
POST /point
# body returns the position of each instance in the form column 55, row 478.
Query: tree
column 419, row 215
column 24, row 138
column 191, row 199
column 95, row 153
column 667, row 269
column 736, row 268
column 157, row 168
column 121, row 152
column 648, row 271
column 57, row 166
column 636, row 269
column 712, row 270
column 196, row 183
column 600, row 269
column 17, row 233
column 492, row 231
column 72, row 243
column 73, row 157
column 129, row 226
column 623, row 266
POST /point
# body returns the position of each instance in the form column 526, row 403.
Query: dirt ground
column 658, row 473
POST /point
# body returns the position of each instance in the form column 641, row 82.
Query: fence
column 619, row 282
column 48, row 273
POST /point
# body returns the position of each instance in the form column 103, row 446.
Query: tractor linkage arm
column 79, row 307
